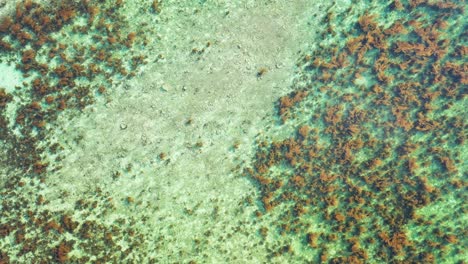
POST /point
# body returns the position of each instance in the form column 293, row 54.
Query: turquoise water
column 233, row 132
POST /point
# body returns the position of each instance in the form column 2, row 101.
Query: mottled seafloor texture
column 244, row 131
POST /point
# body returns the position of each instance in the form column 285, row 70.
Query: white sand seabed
column 219, row 90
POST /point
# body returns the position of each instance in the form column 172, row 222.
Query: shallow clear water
column 233, row 131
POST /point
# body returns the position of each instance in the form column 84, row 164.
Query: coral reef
column 42, row 235
column 31, row 31
column 380, row 146
column 60, row 74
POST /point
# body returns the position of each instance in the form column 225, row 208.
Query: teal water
column 233, row 132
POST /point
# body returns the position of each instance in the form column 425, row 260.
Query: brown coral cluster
column 364, row 171
column 60, row 74
column 42, row 235
column 31, row 31
column 288, row 101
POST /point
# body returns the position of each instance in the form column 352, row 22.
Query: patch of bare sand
column 204, row 69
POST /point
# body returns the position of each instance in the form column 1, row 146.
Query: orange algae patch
column 312, row 239
column 298, row 181
column 6, row 24
column 339, row 217
column 4, row 98
column 61, row 252
column 287, row 102
column 66, row 13
column 304, row 132
column 397, row 241
column 448, row 164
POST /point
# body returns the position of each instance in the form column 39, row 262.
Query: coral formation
column 379, row 147
column 60, row 74
column 31, row 32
